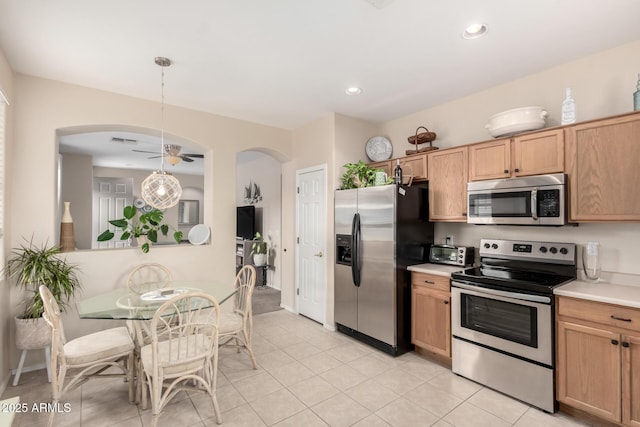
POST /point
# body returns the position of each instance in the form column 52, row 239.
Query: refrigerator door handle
column 355, row 249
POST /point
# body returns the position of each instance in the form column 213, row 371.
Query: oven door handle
column 534, row 204
column 505, row 294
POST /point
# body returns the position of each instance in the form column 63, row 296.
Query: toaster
column 453, row 255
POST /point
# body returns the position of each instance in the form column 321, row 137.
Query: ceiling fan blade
column 185, row 158
column 197, row 156
column 154, row 157
column 143, row 151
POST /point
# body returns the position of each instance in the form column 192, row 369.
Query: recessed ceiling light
column 353, row 90
column 474, row 31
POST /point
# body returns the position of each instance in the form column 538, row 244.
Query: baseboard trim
column 30, row 368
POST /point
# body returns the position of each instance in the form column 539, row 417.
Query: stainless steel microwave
column 530, row 200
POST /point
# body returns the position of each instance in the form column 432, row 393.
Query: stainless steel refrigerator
column 379, row 232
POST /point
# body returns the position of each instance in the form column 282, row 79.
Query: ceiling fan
column 173, row 154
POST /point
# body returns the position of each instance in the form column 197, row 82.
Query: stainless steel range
column 503, row 317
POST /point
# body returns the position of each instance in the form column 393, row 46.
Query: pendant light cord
column 162, row 125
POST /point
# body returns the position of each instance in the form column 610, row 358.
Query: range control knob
column 564, row 251
column 543, row 249
column 553, row 250
column 494, row 246
column 487, row 246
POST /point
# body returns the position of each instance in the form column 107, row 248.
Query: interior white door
column 311, row 235
column 110, row 196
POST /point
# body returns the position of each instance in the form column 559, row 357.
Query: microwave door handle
column 534, row 204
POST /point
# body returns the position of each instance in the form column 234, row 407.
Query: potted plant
column 29, row 267
column 259, row 250
column 358, row 175
column 144, row 228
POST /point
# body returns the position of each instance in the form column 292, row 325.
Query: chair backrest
column 245, row 283
column 187, row 327
column 52, row 317
column 142, row 276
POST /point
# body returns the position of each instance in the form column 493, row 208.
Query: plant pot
column 32, row 334
column 259, row 260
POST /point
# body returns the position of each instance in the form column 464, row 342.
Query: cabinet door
column 385, row 166
column 415, row 165
column 431, row 320
column 631, row 380
column 602, row 164
column 538, row 153
column 588, row 374
column 448, row 185
column 490, row 160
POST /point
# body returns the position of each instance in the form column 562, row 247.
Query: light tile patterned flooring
column 308, row 376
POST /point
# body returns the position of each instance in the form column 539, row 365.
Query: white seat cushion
column 230, row 323
column 98, row 346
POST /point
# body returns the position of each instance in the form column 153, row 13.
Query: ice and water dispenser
column 343, row 249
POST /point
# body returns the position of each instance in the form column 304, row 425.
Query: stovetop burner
column 518, row 266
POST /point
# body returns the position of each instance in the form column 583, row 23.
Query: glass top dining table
column 123, row 303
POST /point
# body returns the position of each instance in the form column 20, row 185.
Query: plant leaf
column 164, row 229
column 177, row 236
column 106, row 235
column 153, row 236
column 120, row 223
column 129, row 212
column 145, row 247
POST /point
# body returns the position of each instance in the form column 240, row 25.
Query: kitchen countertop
column 437, row 269
column 626, row 295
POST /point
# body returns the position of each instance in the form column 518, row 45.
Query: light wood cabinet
column 448, row 184
column 415, row 164
column 533, row 153
column 598, row 359
column 431, row 313
column 603, row 170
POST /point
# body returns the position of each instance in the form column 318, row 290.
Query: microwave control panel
column 549, row 203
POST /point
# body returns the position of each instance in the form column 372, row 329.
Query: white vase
column 259, row 260
column 32, row 334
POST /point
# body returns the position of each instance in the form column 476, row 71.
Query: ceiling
column 285, row 63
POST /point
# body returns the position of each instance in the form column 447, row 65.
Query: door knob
column 319, row 254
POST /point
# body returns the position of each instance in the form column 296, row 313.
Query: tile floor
column 308, row 376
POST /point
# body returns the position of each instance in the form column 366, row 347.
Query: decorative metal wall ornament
column 252, row 193
column 161, row 190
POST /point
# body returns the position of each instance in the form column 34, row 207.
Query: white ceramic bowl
column 517, row 120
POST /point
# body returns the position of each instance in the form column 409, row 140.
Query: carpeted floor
column 265, row 300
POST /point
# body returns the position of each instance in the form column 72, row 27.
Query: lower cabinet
column 598, row 359
column 431, row 313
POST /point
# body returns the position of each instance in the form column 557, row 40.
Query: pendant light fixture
column 161, row 190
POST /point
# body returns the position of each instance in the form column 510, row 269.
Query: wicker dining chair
column 183, row 354
column 236, row 327
column 90, row 355
column 146, row 277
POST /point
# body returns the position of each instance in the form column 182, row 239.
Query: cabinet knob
column 506, row 171
column 430, row 282
column 620, row 318
column 446, row 302
column 516, row 170
column 625, row 344
column 614, row 342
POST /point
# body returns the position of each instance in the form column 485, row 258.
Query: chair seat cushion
column 178, row 355
column 98, row 346
column 230, row 323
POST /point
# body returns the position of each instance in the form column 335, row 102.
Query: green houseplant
column 148, row 225
column 358, row 175
column 259, row 250
column 28, row 267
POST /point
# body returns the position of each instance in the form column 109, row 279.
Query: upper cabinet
column 448, row 185
column 603, row 170
column 414, row 165
column 533, row 153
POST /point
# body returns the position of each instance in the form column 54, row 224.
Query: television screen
column 246, row 222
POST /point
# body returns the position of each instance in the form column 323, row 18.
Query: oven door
column 517, row 324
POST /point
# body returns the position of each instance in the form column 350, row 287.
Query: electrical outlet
column 448, row 240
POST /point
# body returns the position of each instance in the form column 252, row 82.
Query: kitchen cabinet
column 448, row 184
column 532, row 153
column 415, row 164
column 431, row 313
column 598, row 359
column 603, row 172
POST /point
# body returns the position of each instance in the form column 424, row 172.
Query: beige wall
column 603, row 85
column 6, row 323
column 43, row 106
